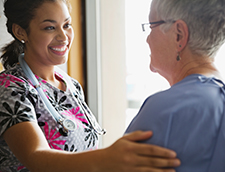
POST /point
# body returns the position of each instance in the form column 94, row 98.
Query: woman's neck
column 47, row 73
column 201, row 65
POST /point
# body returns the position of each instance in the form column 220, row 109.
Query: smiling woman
column 49, row 38
column 44, row 39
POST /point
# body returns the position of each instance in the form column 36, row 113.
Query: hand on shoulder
column 129, row 155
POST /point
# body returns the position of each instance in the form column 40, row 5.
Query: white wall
column 106, row 65
column 113, row 68
column 5, row 37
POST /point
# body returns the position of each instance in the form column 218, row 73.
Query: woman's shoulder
column 195, row 84
column 14, row 79
column 17, row 98
column 198, row 86
column 76, row 84
column 193, row 91
column 78, row 88
column 15, row 73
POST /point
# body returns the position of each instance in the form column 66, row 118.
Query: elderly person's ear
column 182, row 34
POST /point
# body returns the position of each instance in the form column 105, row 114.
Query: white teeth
column 59, row 49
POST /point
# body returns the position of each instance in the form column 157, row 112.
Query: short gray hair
column 205, row 20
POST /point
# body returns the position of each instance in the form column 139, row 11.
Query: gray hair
column 205, row 20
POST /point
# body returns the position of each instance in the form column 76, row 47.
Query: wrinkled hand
column 130, row 156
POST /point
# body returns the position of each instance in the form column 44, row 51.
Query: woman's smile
column 59, row 50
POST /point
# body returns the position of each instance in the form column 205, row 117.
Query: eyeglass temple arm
column 143, row 26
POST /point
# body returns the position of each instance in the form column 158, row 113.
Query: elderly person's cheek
column 150, row 56
column 147, row 39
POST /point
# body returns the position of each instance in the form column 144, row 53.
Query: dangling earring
column 178, row 56
column 22, row 41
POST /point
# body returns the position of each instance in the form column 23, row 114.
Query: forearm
column 33, row 151
column 114, row 158
column 125, row 155
column 54, row 161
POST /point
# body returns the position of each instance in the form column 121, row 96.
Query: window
column 140, row 81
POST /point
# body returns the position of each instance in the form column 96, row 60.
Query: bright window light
column 141, row 82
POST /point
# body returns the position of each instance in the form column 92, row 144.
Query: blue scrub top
column 189, row 119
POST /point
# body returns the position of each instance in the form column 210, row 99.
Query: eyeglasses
column 146, row 27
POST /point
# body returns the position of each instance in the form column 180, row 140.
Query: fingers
column 151, row 156
column 130, row 156
column 144, row 169
column 138, row 135
column 155, row 162
column 140, row 157
column 153, row 150
column 147, row 160
column 147, row 149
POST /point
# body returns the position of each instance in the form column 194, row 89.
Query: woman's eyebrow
column 53, row 21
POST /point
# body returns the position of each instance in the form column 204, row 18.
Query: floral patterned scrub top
column 20, row 102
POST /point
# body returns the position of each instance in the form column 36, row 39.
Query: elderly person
column 189, row 117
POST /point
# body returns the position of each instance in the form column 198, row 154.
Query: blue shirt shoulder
column 186, row 118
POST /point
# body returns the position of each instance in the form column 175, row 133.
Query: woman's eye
column 50, row 28
column 67, row 25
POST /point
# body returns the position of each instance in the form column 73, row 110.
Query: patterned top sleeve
column 17, row 101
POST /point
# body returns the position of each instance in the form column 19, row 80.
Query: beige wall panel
column 75, row 61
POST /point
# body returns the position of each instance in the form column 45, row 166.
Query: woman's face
column 161, row 47
column 50, row 34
